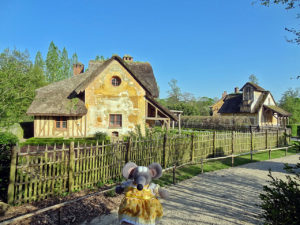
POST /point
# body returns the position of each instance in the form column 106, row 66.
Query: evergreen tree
column 74, row 59
column 39, row 62
column 53, row 64
column 65, row 65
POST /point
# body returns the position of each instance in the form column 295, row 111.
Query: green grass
column 190, row 171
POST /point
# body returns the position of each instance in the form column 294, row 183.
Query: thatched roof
column 255, row 86
column 232, row 103
column 62, row 98
column 278, row 110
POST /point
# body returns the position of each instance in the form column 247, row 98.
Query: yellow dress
column 140, row 207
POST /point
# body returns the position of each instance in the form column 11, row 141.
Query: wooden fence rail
column 37, row 173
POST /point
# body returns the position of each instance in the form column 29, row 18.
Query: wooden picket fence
column 39, row 172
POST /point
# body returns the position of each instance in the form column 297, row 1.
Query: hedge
column 295, row 129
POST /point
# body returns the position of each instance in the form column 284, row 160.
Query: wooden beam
column 156, row 118
column 158, row 109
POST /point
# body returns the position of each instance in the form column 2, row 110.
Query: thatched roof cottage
column 253, row 102
column 113, row 96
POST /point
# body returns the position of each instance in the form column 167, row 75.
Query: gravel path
column 228, row 196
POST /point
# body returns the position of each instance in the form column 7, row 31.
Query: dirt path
column 227, row 196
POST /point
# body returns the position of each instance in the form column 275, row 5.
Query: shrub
column 101, row 136
column 293, row 129
column 281, row 200
column 7, row 140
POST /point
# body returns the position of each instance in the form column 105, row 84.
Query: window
column 116, row 81
column 115, row 134
column 115, row 120
column 248, row 94
column 61, row 122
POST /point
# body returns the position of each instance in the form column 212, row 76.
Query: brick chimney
column 236, row 90
column 224, row 94
column 78, row 68
column 128, row 58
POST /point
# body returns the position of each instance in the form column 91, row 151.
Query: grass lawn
column 190, row 171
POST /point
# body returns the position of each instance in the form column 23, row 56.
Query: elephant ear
column 155, row 170
column 128, row 168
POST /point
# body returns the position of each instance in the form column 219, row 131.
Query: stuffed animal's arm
column 120, row 188
column 163, row 193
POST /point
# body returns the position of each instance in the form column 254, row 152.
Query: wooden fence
column 39, row 172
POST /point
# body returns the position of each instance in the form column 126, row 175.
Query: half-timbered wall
column 44, row 126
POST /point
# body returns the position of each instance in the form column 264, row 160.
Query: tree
column 99, row 58
column 175, row 92
column 290, row 101
column 74, row 59
column 290, row 4
column 65, row 71
column 18, row 81
column 253, row 79
column 53, row 63
column 281, row 199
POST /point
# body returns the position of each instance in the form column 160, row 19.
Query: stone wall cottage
column 113, row 96
column 253, row 102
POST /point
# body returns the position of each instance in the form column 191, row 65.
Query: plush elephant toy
column 140, row 205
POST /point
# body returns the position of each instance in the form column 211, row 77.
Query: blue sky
column 208, row 46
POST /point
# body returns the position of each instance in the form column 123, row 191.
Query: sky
column 207, row 46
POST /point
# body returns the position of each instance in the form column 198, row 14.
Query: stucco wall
column 103, row 99
column 256, row 97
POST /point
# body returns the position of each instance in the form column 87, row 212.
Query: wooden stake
column 174, row 174
column 165, row 151
column 71, row 166
column 12, row 175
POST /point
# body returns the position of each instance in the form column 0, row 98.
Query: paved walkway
column 228, row 196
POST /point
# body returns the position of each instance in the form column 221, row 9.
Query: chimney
column 224, row 94
column 78, row 68
column 128, row 58
column 236, row 90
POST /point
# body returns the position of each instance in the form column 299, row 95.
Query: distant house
column 253, row 102
column 113, row 96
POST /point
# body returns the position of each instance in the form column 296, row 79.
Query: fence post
column 71, row 166
column 277, row 136
column 214, row 143
column 174, row 174
column 192, row 148
column 285, row 137
column 252, row 145
column 232, row 148
column 12, row 175
column 286, row 151
column 165, row 151
column 202, row 165
column 266, row 139
column 128, row 150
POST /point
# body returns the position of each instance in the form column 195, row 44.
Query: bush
column 294, row 128
column 7, row 140
column 281, row 200
column 101, row 136
column 60, row 141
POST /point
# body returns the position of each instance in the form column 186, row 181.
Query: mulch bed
column 73, row 213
